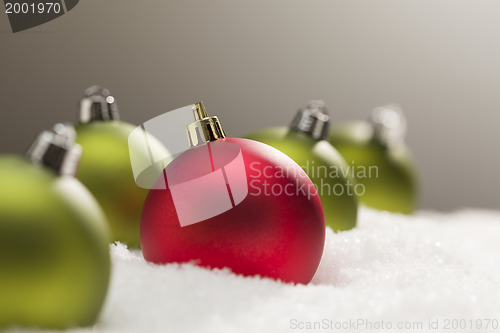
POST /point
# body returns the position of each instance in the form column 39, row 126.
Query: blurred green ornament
column 305, row 143
column 54, row 253
column 105, row 166
column 378, row 146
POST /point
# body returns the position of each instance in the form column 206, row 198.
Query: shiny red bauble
column 270, row 224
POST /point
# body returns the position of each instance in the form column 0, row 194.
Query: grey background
column 254, row 63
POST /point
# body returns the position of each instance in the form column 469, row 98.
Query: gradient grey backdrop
column 254, row 63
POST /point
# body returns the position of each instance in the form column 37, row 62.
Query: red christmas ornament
column 234, row 203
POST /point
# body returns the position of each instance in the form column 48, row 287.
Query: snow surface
column 396, row 269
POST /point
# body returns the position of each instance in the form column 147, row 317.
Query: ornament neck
column 389, row 124
column 97, row 105
column 312, row 120
column 56, row 150
column 204, row 128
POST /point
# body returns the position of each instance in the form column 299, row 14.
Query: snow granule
column 408, row 272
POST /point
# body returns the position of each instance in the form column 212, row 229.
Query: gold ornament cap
column 204, row 128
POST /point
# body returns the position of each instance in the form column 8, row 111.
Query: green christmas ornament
column 54, row 253
column 378, row 147
column 305, row 143
column 105, row 166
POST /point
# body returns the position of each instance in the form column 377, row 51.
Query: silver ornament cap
column 56, row 150
column 312, row 120
column 389, row 124
column 97, row 105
